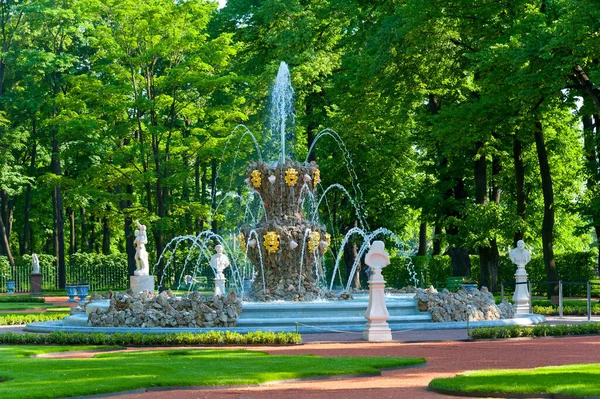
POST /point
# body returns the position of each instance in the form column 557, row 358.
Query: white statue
column 219, row 262
column 141, row 255
column 520, row 256
column 35, row 264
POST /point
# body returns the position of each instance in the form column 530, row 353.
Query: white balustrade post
column 377, row 328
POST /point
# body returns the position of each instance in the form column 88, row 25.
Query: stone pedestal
column 141, row 283
column 220, row 286
column 36, row 283
column 377, row 328
column 521, row 295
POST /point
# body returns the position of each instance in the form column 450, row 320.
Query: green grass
column 574, row 380
column 112, row 372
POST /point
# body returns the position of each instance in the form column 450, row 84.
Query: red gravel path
column 444, row 359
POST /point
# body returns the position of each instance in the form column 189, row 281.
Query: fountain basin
column 304, row 317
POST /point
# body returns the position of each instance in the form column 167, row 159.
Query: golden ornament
column 242, row 242
column 256, row 178
column 291, row 177
column 271, row 242
column 313, row 241
column 316, row 178
column 327, row 242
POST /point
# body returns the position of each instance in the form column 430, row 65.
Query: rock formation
column 166, row 310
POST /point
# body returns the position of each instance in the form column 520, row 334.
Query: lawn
column 575, row 380
column 35, row 377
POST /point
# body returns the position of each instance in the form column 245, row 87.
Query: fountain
column 276, row 259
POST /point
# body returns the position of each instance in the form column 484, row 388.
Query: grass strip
column 574, row 380
column 34, row 377
column 17, row 319
column 141, row 339
column 540, row 330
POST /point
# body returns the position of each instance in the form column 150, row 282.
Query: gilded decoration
column 271, row 242
column 291, row 177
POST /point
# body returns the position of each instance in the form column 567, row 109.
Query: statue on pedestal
column 219, row 262
column 141, row 255
column 520, row 256
column 35, row 264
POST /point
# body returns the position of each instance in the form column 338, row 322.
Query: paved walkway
column 446, row 351
column 444, row 359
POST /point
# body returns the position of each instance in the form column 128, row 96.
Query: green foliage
column 4, row 267
column 428, row 270
column 139, row 339
column 16, row 319
column 94, row 269
column 540, row 330
column 22, row 299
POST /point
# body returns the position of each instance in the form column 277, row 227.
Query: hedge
column 574, row 267
column 540, row 330
column 140, row 339
column 17, row 319
column 21, row 299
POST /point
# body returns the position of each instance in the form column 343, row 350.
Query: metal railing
column 560, row 284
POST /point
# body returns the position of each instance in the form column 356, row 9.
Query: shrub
column 21, row 299
column 541, row 330
column 17, row 319
column 139, row 339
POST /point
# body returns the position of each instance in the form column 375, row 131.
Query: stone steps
column 333, row 314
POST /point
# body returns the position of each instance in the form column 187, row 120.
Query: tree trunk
column 437, row 242
column 590, row 143
column 58, row 212
column 72, row 243
column 422, row 239
column 85, row 241
column 4, row 244
column 105, row 236
column 128, row 230
column 213, row 193
column 520, row 186
column 548, row 222
column 92, row 241
column 461, row 264
column 26, row 242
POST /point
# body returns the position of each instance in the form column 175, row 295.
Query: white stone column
column 377, row 328
column 521, row 295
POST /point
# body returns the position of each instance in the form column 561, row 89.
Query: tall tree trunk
column 437, row 242
column 85, row 241
column 213, row 192
column 128, row 230
column 422, row 239
column 204, row 183
column 461, row 264
column 59, row 221
column 481, row 199
column 26, row 242
column 590, row 144
column 92, row 241
column 72, row 242
column 520, row 186
column 548, row 222
column 105, row 236
column 4, row 244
